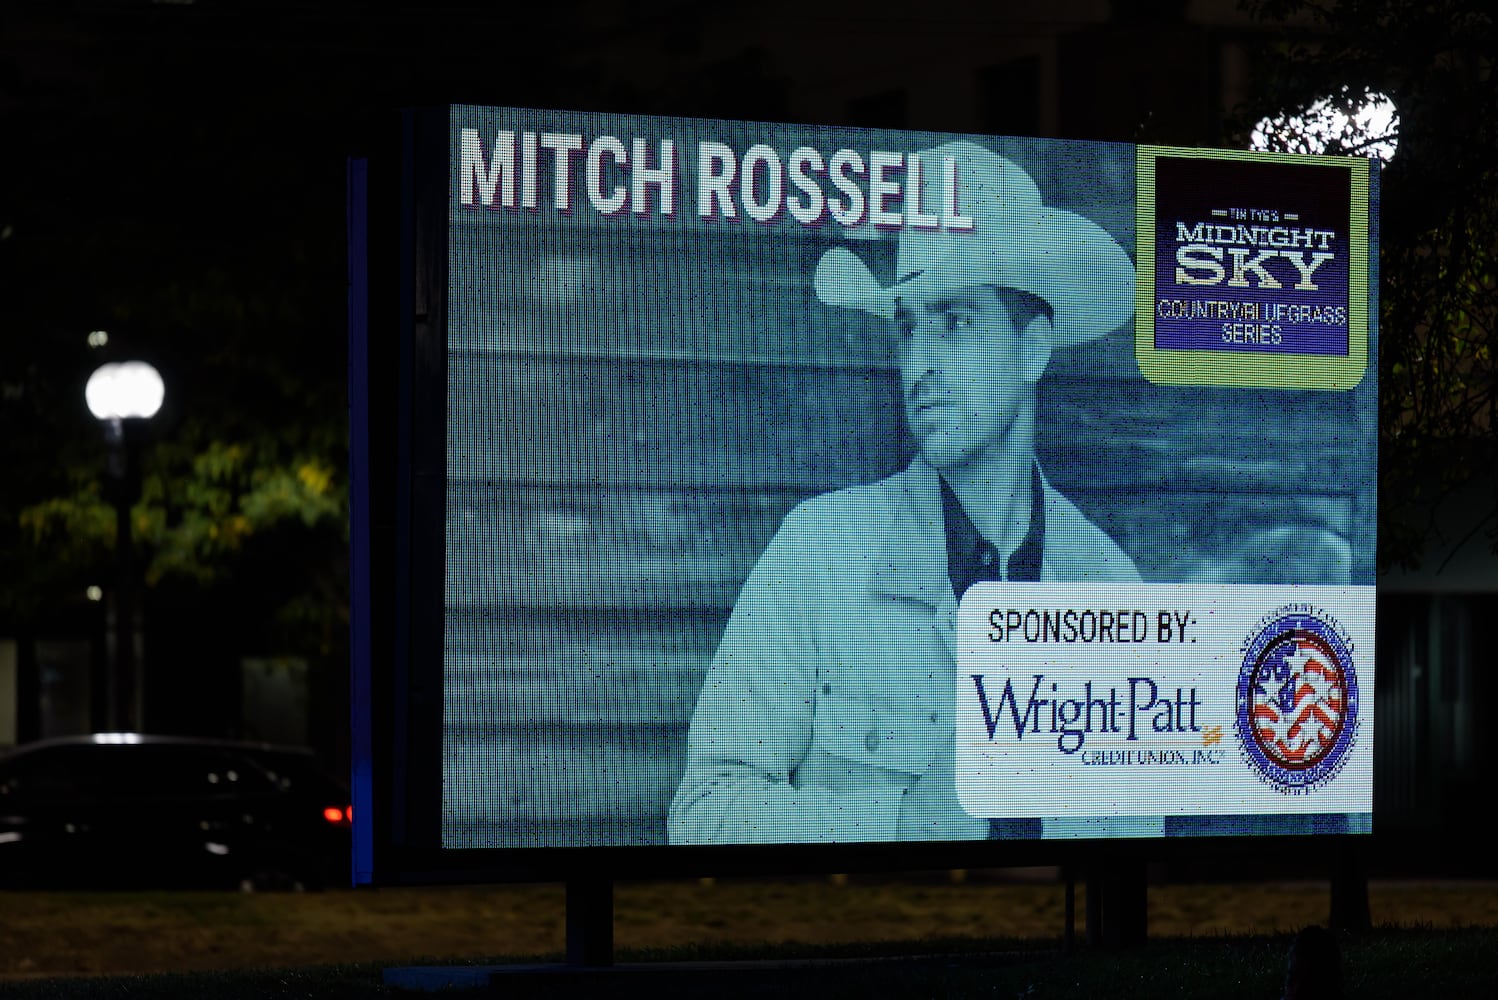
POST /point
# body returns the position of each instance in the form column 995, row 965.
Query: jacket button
column 872, row 741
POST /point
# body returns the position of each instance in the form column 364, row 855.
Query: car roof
column 149, row 739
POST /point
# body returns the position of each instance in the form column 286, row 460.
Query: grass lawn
column 1219, row 940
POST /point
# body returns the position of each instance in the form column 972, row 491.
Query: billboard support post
column 1117, row 903
column 1349, row 895
column 1069, row 936
column 590, row 922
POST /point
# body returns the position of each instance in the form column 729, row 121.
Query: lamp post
column 123, row 397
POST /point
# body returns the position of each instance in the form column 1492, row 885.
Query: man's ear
column 1035, row 347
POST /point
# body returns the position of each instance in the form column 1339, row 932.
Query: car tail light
column 338, row 816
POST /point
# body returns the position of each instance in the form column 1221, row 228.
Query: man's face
column 965, row 371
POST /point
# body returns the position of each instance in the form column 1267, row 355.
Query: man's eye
column 958, row 319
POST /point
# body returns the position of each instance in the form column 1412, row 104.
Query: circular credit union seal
column 1297, row 700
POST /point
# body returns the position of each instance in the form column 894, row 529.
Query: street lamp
column 123, row 397
column 129, row 389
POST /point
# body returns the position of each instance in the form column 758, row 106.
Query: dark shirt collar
column 971, row 557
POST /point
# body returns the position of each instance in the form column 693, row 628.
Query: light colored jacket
column 833, row 689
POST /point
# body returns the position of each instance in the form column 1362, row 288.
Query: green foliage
column 1439, row 222
column 82, row 520
column 197, row 510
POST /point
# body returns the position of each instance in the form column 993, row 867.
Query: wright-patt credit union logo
column 1297, row 699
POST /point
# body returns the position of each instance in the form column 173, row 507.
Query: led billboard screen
column 834, row 485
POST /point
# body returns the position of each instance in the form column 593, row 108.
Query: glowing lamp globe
column 129, row 389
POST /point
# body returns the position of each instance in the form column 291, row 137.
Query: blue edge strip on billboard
column 362, row 783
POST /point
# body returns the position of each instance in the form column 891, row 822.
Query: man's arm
column 753, row 725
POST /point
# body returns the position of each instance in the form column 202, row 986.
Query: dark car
column 321, row 817
column 125, row 810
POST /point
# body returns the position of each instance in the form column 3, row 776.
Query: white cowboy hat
column 1015, row 241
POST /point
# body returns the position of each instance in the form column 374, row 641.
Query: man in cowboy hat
column 827, row 714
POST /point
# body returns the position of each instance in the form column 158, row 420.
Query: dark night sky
column 174, row 174
column 159, row 151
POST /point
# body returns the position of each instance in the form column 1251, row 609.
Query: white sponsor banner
column 1164, row 699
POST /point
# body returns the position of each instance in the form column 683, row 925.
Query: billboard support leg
column 1349, row 905
column 1069, row 935
column 590, row 922
column 1117, row 903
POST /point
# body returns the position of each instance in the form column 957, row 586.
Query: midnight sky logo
column 1251, row 257
column 1297, row 700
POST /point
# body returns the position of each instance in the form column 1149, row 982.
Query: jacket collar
column 912, row 558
